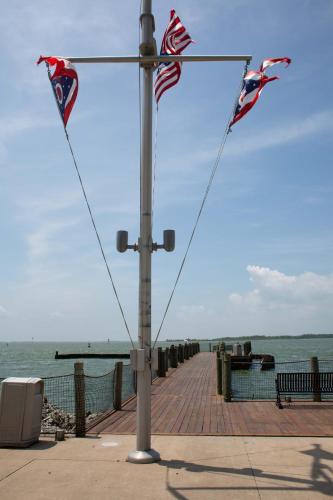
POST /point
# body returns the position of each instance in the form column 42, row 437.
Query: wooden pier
column 185, row 402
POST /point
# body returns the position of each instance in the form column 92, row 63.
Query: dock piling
column 227, row 378
column 218, row 373
column 117, row 385
column 173, row 357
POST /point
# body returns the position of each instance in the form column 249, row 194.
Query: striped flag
column 267, row 63
column 175, row 40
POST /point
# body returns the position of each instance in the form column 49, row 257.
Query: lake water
column 27, row 359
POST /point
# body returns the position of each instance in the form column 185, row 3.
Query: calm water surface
column 37, row 358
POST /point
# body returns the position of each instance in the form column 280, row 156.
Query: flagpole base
column 143, row 457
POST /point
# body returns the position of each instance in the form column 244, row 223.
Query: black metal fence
column 257, row 384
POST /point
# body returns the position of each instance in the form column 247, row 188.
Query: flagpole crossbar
column 158, row 59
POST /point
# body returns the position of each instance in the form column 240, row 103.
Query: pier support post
column 218, row 373
column 161, row 362
column 227, row 378
column 173, row 357
column 314, row 365
column 247, row 348
column 80, row 403
column 166, row 359
column 181, row 353
column 117, row 385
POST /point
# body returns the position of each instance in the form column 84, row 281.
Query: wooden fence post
column 227, row 378
column 117, row 385
column 315, row 369
column 218, row 373
column 161, row 362
column 166, row 359
column 181, row 353
column 173, row 357
column 80, row 402
column 186, row 353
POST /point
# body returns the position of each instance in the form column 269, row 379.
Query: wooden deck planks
column 185, row 402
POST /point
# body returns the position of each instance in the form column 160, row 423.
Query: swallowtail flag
column 65, row 84
column 253, row 84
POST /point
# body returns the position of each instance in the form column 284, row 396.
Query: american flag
column 65, row 84
column 175, row 40
column 253, row 84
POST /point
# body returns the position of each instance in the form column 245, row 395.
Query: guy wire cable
column 210, row 181
column 91, row 216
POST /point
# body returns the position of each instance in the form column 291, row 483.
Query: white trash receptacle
column 21, row 402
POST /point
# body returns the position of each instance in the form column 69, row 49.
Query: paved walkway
column 185, row 402
column 192, row 467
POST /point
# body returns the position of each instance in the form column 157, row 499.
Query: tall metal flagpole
column 142, row 357
column 143, row 452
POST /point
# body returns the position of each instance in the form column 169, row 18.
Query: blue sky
column 261, row 260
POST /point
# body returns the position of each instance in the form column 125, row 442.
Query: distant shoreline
column 262, row 337
column 216, row 339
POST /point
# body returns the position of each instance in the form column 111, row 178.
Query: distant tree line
column 263, row 337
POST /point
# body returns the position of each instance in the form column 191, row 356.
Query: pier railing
column 76, row 401
column 254, row 380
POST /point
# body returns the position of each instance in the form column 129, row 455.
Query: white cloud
column 42, row 240
column 308, row 292
column 35, row 208
column 14, row 124
column 19, row 123
column 287, row 132
column 3, row 312
column 57, row 315
column 29, row 27
column 194, row 316
column 192, row 309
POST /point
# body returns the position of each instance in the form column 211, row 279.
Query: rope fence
column 59, row 404
column 74, row 402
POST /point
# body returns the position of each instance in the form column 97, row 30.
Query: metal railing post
column 315, row 369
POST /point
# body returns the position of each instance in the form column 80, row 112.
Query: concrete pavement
column 192, row 467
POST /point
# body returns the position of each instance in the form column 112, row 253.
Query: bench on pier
column 303, row 383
